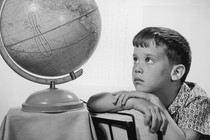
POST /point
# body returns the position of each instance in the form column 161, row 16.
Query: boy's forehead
column 151, row 48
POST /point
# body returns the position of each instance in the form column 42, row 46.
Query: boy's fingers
column 164, row 124
column 126, row 97
column 115, row 98
column 160, row 119
column 146, row 122
column 147, row 118
column 155, row 121
column 120, row 99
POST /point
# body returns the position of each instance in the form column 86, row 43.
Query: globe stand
column 52, row 100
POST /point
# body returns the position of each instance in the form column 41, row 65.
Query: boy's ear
column 177, row 72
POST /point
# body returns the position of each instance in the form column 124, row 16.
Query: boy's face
column 151, row 69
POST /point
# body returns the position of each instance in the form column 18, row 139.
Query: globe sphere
column 50, row 37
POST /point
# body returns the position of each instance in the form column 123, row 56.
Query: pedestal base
column 52, row 100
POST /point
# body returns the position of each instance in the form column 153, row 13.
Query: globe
column 46, row 41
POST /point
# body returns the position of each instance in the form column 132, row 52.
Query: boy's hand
column 153, row 115
column 121, row 97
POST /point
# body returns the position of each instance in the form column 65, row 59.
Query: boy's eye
column 135, row 59
column 149, row 60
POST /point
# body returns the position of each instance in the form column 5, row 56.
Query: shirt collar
column 180, row 99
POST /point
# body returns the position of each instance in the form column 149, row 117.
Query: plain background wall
column 109, row 68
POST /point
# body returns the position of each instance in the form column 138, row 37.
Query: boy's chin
column 141, row 89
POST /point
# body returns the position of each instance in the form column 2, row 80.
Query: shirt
column 191, row 109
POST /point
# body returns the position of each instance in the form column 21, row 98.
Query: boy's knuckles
column 156, row 109
column 149, row 117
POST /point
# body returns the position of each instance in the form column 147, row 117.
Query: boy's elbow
column 94, row 103
column 99, row 102
column 90, row 103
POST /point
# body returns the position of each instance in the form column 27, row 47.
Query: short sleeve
column 196, row 115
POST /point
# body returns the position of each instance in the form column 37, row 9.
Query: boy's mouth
column 138, row 80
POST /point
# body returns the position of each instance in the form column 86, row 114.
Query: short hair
column 177, row 47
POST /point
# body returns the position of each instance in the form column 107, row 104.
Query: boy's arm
column 103, row 102
column 153, row 117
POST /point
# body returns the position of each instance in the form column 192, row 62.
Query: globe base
column 52, row 100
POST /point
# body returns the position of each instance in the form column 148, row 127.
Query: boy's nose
column 139, row 69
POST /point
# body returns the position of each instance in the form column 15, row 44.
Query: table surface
column 71, row 125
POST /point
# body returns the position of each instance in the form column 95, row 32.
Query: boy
column 162, row 59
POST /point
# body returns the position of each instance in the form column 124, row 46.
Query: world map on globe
column 50, row 37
